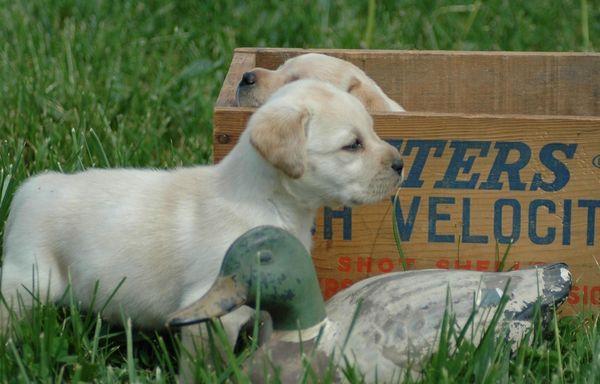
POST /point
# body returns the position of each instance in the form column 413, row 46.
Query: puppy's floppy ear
column 279, row 134
column 353, row 84
column 367, row 95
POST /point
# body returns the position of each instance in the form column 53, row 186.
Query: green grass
column 105, row 84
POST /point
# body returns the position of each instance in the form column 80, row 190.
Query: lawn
column 90, row 83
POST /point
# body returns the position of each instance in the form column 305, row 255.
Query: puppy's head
column 322, row 140
column 257, row 85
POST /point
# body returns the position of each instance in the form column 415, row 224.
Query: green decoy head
column 266, row 265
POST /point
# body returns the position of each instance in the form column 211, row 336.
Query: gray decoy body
column 393, row 320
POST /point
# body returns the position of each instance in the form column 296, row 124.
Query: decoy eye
column 265, row 257
column 355, row 146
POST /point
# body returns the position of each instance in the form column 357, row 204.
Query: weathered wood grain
column 474, row 82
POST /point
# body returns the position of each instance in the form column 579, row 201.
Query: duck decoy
column 396, row 324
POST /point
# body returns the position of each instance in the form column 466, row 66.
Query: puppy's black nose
column 398, row 165
column 248, row 78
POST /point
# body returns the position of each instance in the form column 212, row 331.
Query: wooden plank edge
column 360, row 52
column 379, row 115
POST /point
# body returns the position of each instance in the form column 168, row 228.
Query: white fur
column 166, row 232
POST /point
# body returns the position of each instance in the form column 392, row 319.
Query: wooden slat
column 229, row 123
column 474, row 82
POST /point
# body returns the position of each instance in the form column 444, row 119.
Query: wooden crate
column 498, row 147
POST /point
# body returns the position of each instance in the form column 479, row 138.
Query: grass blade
column 504, row 257
column 396, row 232
column 18, row 360
column 130, row 361
column 557, row 345
column 370, row 23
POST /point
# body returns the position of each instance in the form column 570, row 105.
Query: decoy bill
column 383, row 325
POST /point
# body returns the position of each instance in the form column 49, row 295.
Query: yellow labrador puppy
column 258, row 84
column 166, row 232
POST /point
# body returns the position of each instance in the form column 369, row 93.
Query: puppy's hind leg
column 31, row 271
column 26, row 285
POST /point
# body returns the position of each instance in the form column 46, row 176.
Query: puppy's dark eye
column 355, row 146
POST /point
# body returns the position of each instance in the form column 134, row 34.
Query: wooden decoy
column 394, row 327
